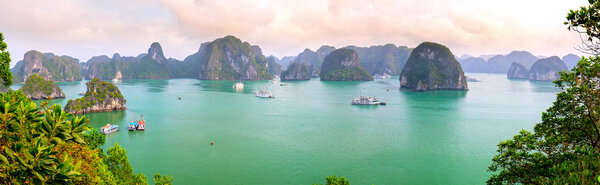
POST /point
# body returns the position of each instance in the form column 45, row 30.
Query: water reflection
column 102, row 118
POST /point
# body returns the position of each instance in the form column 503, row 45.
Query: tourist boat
column 364, row 100
column 384, row 76
column 109, row 129
column 141, row 124
column 283, row 84
column 132, row 126
column 238, row 85
column 115, row 80
column 264, row 94
column 81, row 93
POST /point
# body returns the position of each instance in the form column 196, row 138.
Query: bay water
column 310, row 130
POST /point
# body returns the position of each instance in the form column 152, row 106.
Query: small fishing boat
column 141, row 124
column 264, row 94
column 238, row 85
column 132, row 126
column 109, row 129
column 283, row 84
column 81, row 94
column 364, row 100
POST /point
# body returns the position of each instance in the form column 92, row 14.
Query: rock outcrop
column 432, row 66
column 547, row 69
column 274, row 66
column 100, row 96
column 343, row 65
column 296, row 71
column 229, row 58
column 47, row 66
column 571, row 60
column 152, row 65
column 37, row 88
column 387, row 59
column 517, row 71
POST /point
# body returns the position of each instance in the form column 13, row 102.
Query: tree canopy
column 565, row 147
column 5, row 74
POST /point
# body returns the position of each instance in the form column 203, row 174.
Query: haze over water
column 310, row 130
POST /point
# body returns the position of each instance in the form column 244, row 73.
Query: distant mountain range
column 229, row 58
column 502, row 63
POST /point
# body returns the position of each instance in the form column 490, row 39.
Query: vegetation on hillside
column 565, row 147
column 343, row 65
column 98, row 92
column 36, row 83
column 45, row 145
column 60, row 68
column 335, row 180
column 5, row 74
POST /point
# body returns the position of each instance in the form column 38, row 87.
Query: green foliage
column 297, row 69
column 334, row 180
column 432, row 66
column 118, row 164
column 335, row 67
column 94, row 138
column 564, row 147
column 98, row 92
column 162, row 180
column 585, row 22
column 35, row 84
column 5, row 74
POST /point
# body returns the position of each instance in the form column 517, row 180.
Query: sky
column 86, row 28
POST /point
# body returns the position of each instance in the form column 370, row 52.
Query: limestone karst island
column 299, row 92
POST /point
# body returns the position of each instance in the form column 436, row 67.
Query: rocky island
column 517, row 71
column 547, row 69
column 47, row 66
column 432, row 66
column 37, row 88
column 151, row 65
column 296, row 71
column 343, row 65
column 100, row 96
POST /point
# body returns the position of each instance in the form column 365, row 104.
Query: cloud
column 285, row 27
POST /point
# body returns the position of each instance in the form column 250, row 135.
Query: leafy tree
column 5, row 74
column 94, row 138
column 162, row 180
column 334, row 180
column 118, row 163
column 565, row 147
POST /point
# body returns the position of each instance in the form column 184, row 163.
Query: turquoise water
column 310, row 130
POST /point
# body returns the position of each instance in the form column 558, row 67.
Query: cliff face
column 274, row 66
column 432, row 66
column 296, row 71
column 387, row 59
column 343, row 65
column 229, row 58
column 152, row 65
column 517, row 71
column 547, row 69
column 36, row 88
column 314, row 57
column 47, row 66
column 100, row 96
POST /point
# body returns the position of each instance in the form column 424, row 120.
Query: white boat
column 115, row 80
column 109, row 129
column 264, row 94
column 384, row 76
column 364, row 100
column 238, row 85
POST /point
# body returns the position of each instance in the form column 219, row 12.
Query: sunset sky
column 83, row 29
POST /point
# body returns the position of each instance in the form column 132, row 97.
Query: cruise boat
column 132, row 126
column 109, row 129
column 384, row 76
column 238, row 85
column 264, row 94
column 364, row 100
column 115, row 80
